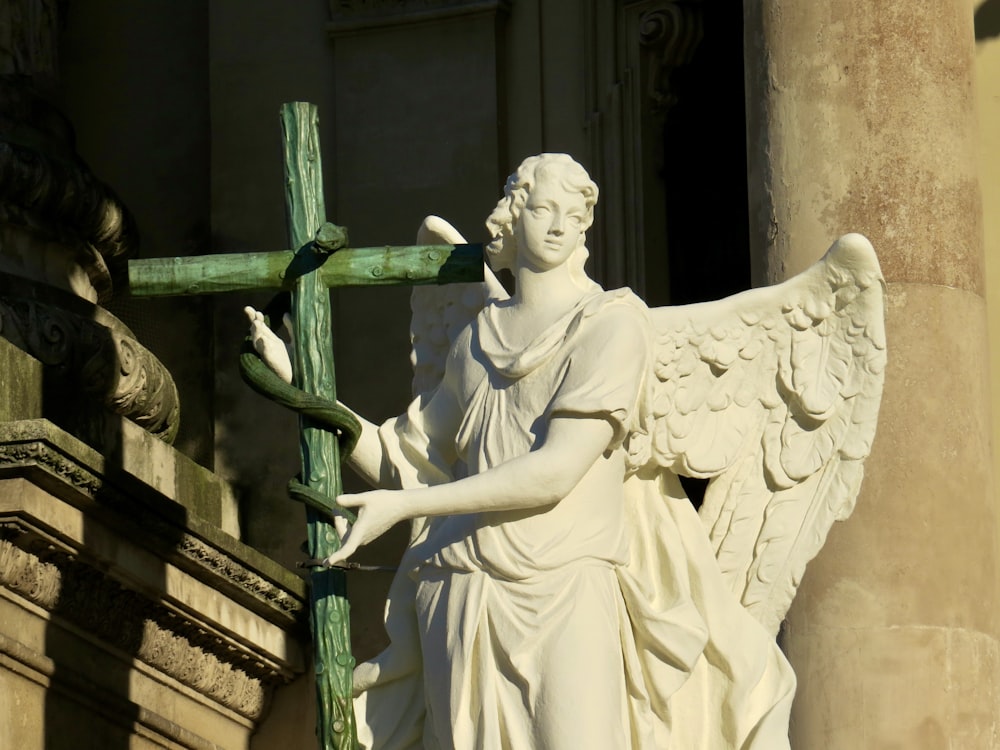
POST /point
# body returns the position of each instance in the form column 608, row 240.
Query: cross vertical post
column 308, row 273
column 320, row 452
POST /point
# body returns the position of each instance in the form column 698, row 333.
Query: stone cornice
column 99, row 542
column 348, row 16
column 50, row 458
column 132, row 623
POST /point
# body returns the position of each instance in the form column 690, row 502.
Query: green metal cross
column 308, row 273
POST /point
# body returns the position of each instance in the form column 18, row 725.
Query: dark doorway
column 705, row 166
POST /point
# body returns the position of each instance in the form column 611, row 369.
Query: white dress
column 574, row 626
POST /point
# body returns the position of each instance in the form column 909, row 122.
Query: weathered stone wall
column 127, row 614
column 861, row 118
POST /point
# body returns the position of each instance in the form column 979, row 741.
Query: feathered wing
column 774, row 395
column 441, row 312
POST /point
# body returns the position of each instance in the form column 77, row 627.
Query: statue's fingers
column 351, row 501
column 256, row 318
column 348, row 549
column 342, row 526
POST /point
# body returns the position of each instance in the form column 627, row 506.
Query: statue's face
column 551, row 224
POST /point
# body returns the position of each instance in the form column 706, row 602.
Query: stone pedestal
column 862, row 119
column 130, row 620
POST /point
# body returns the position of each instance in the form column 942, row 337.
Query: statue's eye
column 575, row 219
column 540, row 211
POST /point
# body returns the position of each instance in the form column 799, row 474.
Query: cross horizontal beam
column 360, row 266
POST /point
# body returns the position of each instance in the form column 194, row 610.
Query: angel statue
column 559, row 589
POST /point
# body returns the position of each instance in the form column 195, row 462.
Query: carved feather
column 441, row 312
column 774, row 395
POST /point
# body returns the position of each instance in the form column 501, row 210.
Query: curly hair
column 502, row 249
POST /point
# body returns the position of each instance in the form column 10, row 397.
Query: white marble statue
column 559, row 590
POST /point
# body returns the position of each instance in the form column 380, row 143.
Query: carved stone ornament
column 356, row 15
column 46, row 188
column 162, row 638
column 89, row 352
column 25, row 447
column 560, row 590
column 670, row 34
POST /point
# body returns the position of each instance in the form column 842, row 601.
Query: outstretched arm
column 366, row 459
column 538, row 479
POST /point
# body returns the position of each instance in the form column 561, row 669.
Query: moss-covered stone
column 20, row 384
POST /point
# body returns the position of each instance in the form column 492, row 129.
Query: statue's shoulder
column 616, row 306
column 610, row 324
column 462, row 341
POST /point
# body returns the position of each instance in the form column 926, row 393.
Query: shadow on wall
column 987, row 20
column 114, row 616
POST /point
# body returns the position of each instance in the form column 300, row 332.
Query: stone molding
column 348, row 16
column 100, row 546
column 86, row 349
column 669, row 34
column 633, row 47
column 112, row 706
column 37, row 458
column 128, row 621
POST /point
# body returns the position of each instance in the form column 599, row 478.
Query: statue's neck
column 541, row 291
column 540, row 298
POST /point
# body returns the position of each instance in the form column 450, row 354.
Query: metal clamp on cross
column 322, row 261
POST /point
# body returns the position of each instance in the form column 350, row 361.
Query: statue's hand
column 271, row 348
column 378, row 511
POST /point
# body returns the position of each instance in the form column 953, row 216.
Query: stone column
column 987, row 20
column 862, row 118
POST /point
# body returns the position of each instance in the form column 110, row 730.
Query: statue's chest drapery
column 507, row 390
column 504, row 417
column 507, row 399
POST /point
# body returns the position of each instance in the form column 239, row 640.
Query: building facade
column 146, row 548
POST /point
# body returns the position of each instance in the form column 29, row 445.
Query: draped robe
column 599, row 622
